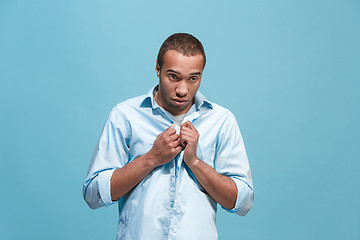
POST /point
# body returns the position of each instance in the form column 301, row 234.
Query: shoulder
column 221, row 112
column 127, row 106
column 222, row 119
column 124, row 109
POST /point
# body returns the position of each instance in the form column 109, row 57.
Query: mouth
column 180, row 102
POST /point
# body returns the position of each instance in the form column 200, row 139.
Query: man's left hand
column 189, row 137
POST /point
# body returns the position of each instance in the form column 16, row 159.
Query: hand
column 189, row 137
column 166, row 147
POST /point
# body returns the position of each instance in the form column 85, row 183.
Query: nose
column 181, row 89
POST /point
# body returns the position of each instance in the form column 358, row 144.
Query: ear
column 157, row 69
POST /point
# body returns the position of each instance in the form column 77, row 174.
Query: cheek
column 167, row 86
column 195, row 88
column 165, row 89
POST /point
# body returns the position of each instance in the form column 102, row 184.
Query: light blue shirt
column 169, row 203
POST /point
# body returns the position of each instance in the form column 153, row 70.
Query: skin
column 179, row 80
column 221, row 188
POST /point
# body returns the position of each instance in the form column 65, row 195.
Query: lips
column 180, row 102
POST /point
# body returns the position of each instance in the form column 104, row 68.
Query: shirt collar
column 200, row 100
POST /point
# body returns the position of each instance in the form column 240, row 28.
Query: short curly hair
column 183, row 43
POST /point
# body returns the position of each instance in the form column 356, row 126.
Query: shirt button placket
column 175, row 211
column 172, row 193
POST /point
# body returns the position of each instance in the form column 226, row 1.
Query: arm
column 111, row 155
column 221, row 188
column 165, row 148
column 231, row 160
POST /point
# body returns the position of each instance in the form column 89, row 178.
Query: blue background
column 288, row 70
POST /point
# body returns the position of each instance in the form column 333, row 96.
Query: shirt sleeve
column 111, row 153
column 231, row 160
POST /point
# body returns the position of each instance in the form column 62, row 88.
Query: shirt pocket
column 206, row 153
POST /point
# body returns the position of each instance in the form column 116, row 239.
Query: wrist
column 150, row 158
column 192, row 162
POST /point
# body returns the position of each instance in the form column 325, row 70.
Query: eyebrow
column 176, row 72
column 172, row 71
column 195, row 73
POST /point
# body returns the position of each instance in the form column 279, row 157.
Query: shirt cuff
column 104, row 187
column 244, row 199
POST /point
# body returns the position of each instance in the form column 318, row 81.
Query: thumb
column 171, row 127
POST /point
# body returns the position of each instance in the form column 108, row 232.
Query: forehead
column 179, row 62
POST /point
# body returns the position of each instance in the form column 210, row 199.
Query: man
column 168, row 157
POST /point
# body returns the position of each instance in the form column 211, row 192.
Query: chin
column 175, row 108
column 178, row 110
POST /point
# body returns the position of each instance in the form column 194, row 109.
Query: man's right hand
column 166, row 147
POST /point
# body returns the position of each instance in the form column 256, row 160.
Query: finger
column 185, row 124
column 191, row 126
column 183, row 127
column 170, row 130
column 170, row 127
column 175, row 144
column 183, row 133
column 178, row 149
column 187, row 131
column 188, row 125
column 184, row 140
column 187, row 137
column 183, row 145
column 173, row 137
column 193, row 133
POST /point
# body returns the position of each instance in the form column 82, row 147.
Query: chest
column 145, row 129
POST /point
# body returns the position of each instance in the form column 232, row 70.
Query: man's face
column 180, row 78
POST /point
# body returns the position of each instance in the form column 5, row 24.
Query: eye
column 193, row 79
column 173, row 77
